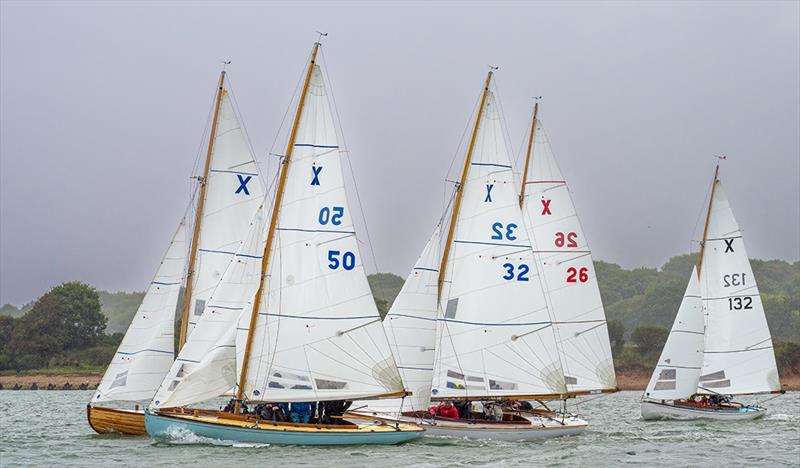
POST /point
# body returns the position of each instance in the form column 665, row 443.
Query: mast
column 201, row 201
column 273, row 223
column 460, row 188
column 708, row 218
column 528, row 155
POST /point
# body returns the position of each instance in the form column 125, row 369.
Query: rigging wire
column 346, row 152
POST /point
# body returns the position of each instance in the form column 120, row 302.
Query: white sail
column 146, row 351
column 678, row 369
column 568, row 274
column 206, row 365
column 318, row 334
column 233, row 194
column 738, row 356
column 411, row 330
column 495, row 337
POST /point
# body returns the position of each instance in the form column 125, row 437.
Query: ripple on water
column 49, row 428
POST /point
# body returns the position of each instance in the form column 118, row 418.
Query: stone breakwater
column 50, row 382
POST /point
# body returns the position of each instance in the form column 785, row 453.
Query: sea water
column 47, row 428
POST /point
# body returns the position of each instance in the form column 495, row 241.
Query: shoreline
column 634, row 381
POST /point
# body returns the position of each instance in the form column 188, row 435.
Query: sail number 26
column 577, row 274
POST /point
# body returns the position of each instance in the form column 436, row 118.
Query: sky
column 103, row 106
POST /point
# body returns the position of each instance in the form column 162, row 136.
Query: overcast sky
column 104, row 106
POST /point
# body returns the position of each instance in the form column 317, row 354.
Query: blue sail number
column 497, row 228
column 325, row 215
column 522, row 272
column 348, row 260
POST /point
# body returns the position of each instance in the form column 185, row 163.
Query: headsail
column 738, row 357
column 568, row 274
column 206, row 365
column 411, row 330
column 146, row 351
column 495, row 337
column 678, row 369
column 233, row 194
column 317, row 333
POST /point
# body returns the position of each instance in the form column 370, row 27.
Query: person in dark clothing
column 230, row 407
column 464, row 409
column 331, row 411
column 300, row 412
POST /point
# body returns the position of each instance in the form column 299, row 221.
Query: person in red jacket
column 445, row 410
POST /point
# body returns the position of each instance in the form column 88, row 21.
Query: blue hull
column 163, row 426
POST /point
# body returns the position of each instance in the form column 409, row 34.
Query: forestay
column 318, row 335
column 678, row 369
column 233, row 194
column 738, row 358
column 494, row 336
column 568, row 274
column 146, row 351
column 411, row 330
column 206, row 366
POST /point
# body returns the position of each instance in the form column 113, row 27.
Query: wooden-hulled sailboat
column 312, row 331
column 490, row 333
column 567, row 270
column 720, row 345
column 230, row 193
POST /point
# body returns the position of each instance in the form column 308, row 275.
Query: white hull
column 540, row 428
column 653, row 410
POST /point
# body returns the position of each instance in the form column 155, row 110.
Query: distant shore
column 636, row 381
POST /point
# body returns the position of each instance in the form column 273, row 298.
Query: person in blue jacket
column 300, row 412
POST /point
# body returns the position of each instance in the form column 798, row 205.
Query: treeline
column 75, row 325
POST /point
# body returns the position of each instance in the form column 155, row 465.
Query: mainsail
column 567, row 269
column 206, row 365
column 233, row 193
column 738, row 355
column 317, row 334
column 494, row 335
column 146, row 351
column 678, row 369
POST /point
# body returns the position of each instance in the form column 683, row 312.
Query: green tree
column 616, row 334
column 650, row 338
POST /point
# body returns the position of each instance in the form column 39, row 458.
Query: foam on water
column 183, row 436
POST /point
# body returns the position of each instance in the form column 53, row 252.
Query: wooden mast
column 708, row 218
column 528, row 155
column 201, row 202
column 272, row 225
column 460, row 187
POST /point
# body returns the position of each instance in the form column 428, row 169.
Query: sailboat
column 490, row 336
column 720, row 345
column 230, row 193
column 312, row 331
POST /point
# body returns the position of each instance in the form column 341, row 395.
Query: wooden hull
column 223, row 427
column 116, row 421
column 656, row 410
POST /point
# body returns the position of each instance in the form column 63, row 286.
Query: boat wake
column 183, row 436
column 782, row 417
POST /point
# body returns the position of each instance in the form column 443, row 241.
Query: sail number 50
column 332, row 215
column 575, row 275
column 348, row 260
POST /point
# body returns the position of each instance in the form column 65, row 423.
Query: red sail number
column 574, row 275
column 570, row 239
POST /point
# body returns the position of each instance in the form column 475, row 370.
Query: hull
column 248, row 430
column 116, row 421
column 655, row 410
column 530, row 428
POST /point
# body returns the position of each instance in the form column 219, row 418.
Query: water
column 49, row 428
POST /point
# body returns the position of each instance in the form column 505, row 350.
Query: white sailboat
column 312, row 331
column 230, row 193
column 494, row 337
column 720, row 345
